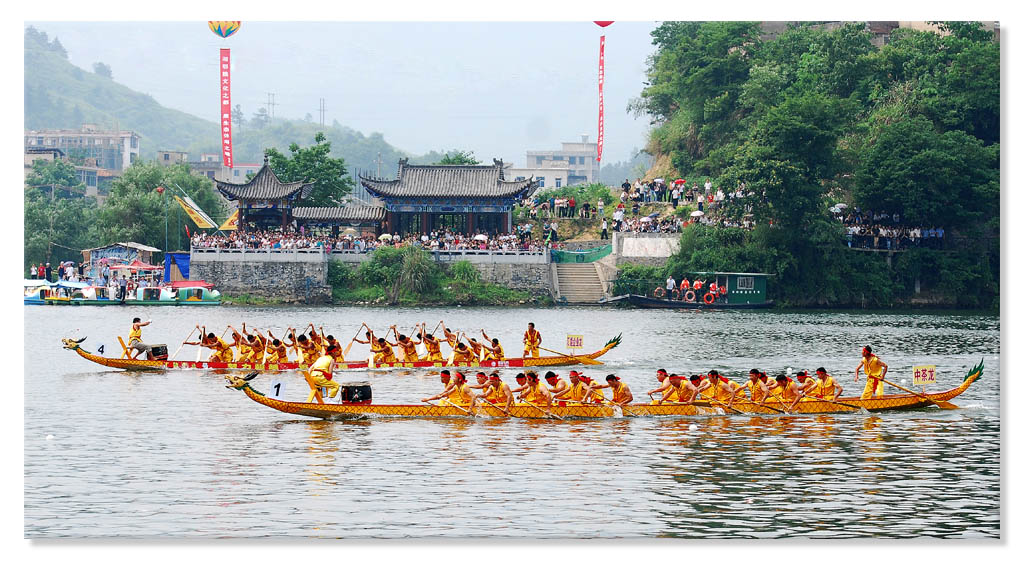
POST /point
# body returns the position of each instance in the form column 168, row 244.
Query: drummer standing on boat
column 875, row 371
column 321, row 374
column 531, row 341
column 135, row 340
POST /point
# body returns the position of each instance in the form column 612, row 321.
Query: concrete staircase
column 578, row 283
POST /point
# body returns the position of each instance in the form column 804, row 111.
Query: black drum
column 356, row 393
column 159, row 352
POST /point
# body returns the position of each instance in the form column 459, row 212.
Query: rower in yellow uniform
column 494, row 350
column 463, row 354
column 449, row 335
column 620, row 391
column 476, row 348
column 827, row 386
column 334, row 349
column 806, row 384
column 592, row 394
column 277, row 352
column 665, row 386
column 432, row 346
column 875, row 371
column 407, row 345
column 321, row 373
column 317, row 340
column 674, row 393
column 242, row 344
column 786, row 390
column 557, row 384
column 457, row 394
column 755, row 385
column 307, row 350
column 690, row 389
column 257, row 342
column 497, row 393
column 531, row 341
column 573, row 391
column 535, row 392
column 522, row 387
column 221, row 349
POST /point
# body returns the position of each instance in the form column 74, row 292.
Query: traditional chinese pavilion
column 467, row 199
column 365, row 219
column 264, row 201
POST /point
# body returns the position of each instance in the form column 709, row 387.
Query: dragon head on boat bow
column 72, row 344
column 240, row 382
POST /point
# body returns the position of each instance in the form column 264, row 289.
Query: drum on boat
column 159, row 352
column 356, row 393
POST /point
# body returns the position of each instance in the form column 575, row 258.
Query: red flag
column 187, row 233
column 600, row 102
column 225, row 105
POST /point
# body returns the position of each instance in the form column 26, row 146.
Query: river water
column 177, row 454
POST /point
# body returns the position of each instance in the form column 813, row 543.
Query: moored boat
column 563, row 410
column 529, row 362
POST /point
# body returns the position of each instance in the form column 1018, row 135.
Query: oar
column 436, row 326
column 759, row 404
column 453, row 405
column 548, row 413
column 836, row 402
column 349, row 346
column 724, row 405
column 941, row 404
column 582, row 358
column 183, row 343
column 505, row 411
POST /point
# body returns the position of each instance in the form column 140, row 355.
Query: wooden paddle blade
column 945, row 405
column 589, row 361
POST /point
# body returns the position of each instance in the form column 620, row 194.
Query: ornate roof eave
column 265, row 185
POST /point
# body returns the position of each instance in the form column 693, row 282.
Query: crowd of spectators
column 880, row 230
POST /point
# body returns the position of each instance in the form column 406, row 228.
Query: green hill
column 60, row 95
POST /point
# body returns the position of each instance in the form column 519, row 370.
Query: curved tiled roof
column 340, row 213
column 266, row 186
column 447, row 182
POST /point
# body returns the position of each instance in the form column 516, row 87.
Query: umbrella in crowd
column 349, row 231
column 841, row 205
column 645, row 219
column 654, row 215
column 679, row 181
column 385, row 237
column 697, row 213
column 480, row 237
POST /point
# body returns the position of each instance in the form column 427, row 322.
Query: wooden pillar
column 389, row 222
column 284, row 215
column 424, row 227
column 470, row 223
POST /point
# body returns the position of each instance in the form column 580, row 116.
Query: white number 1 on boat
column 277, row 390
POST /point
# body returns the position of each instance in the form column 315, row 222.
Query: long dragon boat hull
column 529, row 362
column 562, row 410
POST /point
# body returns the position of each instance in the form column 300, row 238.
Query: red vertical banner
column 600, row 101
column 225, row 105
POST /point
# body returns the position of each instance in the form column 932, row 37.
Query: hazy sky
column 497, row 89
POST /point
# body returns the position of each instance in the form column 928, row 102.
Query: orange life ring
column 675, row 294
column 690, row 296
column 721, row 290
column 709, row 298
column 659, row 292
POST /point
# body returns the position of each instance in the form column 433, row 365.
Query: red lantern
column 604, row 23
column 160, row 190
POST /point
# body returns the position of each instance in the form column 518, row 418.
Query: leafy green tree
column 57, row 175
column 102, row 70
column 137, row 212
column 56, row 229
column 459, row 158
column 314, row 164
column 929, row 178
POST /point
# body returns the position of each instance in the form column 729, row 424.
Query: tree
column 313, row 164
column 136, row 212
column 261, row 119
column 102, row 70
column 56, row 229
column 238, row 117
column 458, row 158
column 57, row 175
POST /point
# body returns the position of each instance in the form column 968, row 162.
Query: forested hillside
column 906, row 135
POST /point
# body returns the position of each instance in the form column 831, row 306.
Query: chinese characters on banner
column 225, row 105
column 574, row 341
column 600, row 101
column 924, row 375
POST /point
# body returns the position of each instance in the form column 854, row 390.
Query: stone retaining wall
column 290, row 277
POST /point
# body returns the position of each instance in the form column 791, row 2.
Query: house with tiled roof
column 264, row 201
column 468, row 199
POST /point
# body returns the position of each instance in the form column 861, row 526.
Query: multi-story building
column 112, row 150
column 171, row 157
column 575, row 163
column 210, row 165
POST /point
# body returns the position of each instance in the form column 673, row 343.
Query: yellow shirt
column 497, row 354
column 826, row 388
column 135, row 335
column 872, row 366
column 619, row 393
column 461, row 396
column 498, row 395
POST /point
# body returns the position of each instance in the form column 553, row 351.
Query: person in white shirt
column 670, row 285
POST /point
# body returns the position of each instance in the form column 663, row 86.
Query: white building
column 112, row 150
column 575, row 163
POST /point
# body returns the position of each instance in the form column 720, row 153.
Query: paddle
column 836, row 402
column 466, row 411
column 349, row 346
column 183, row 343
column 724, row 405
column 941, row 404
column 505, row 411
column 582, row 358
column 436, row 326
column 548, row 413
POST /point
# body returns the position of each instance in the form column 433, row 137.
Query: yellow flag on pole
column 231, row 223
column 195, row 213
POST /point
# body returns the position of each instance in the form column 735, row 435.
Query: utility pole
column 270, row 105
column 323, row 109
column 379, row 162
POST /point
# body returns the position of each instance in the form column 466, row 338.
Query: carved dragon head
column 72, row 344
column 239, row 382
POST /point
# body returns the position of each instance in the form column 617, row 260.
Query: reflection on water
column 177, row 454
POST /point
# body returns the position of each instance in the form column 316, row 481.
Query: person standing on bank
column 874, row 370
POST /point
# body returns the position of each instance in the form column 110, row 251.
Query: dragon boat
column 562, row 410
column 528, row 362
